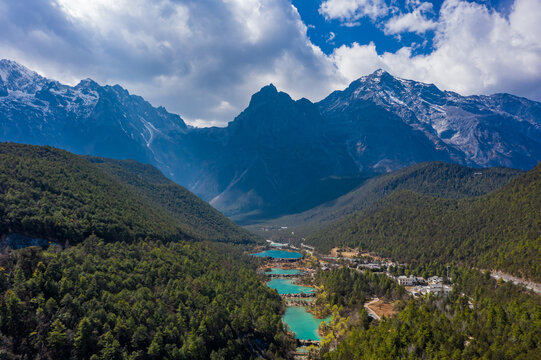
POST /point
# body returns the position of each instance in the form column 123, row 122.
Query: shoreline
column 318, row 332
column 297, row 299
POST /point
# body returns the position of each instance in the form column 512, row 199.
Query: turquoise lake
column 286, row 286
column 302, row 323
column 279, row 254
column 276, row 271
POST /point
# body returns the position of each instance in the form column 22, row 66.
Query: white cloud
column 476, row 51
column 351, row 24
column 415, row 21
column 190, row 56
column 349, row 11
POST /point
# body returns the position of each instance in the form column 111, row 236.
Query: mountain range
column 279, row 156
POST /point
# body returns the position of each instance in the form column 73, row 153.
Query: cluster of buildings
column 410, row 280
column 418, row 286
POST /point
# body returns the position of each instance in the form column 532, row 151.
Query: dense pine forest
column 349, row 288
column 146, row 300
column 501, row 230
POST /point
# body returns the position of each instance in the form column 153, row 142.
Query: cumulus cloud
column 415, row 21
column 201, row 59
column 349, row 11
column 476, row 50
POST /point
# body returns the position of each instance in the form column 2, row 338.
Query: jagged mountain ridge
column 496, row 130
column 279, row 156
column 86, row 118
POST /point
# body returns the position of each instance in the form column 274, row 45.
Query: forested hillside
column 482, row 319
column 151, row 185
column 500, row 230
column 136, row 301
column 126, row 285
column 52, row 194
column 437, row 179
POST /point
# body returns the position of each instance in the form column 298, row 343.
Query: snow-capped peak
column 17, row 77
column 87, row 83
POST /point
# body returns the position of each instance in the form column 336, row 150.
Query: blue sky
column 329, row 34
column 203, row 59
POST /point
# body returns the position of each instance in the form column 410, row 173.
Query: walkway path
column 370, row 311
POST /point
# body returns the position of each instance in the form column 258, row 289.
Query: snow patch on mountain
column 18, row 77
column 461, row 123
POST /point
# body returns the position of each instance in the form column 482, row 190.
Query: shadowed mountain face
column 279, row 156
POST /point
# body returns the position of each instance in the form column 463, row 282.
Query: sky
column 203, row 59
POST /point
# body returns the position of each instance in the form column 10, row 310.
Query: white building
column 406, row 281
column 440, row 289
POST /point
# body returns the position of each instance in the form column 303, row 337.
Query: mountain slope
column 275, row 157
column 52, row 194
column 496, row 130
column 500, row 230
column 434, row 178
column 151, row 185
column 279, row 156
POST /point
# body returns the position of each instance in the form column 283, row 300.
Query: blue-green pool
column 302, row 323
column 286, row 286
column 277, row 271
column 279, row 254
